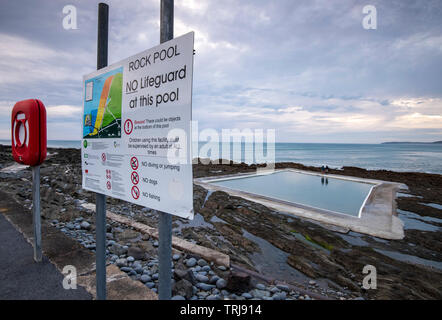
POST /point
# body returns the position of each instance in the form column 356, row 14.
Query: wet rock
column 150, row 285
column 128, row 235
column 191, row 262
column 238, row 282
column 221, row 283
column 260, row 294
column 214, row 279
column 183, row 288
column 206, row 268
column 205, row 286
column 279, row 296
column 283, row 287
column 178, row 298
column 247, row 295
column 145, row 278
column 260, row 286
column 202, row 278
column 118, row 249
column 85, row 225
column 202, row 262
column 137, row 253
column 121, row 262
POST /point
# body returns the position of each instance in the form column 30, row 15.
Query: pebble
column 222, row 268
column 247, row 295
column 260, row 294
column 145, row 278
column 283, row 287
column 260, row 286
column 206, row 268
column 213, row 297
column 130, row 259
column 279, row 296
column 214, row 279
column 221, row 283
column 202, row 278
column 121, row 262
column 191, row 262
column 176, row 257
column 150, row 285
column 155, row 243
column 178, row 298
column 274, row 290
column 202, row 262
column 155, row 276
column 205, row 286
column 85, row 225
column 312, row 282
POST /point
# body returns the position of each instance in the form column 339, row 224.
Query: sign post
column 36, row 212
column 28, row 141
column 100, row 210
column 165, row 219
column 137, row 137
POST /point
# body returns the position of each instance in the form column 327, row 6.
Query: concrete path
column 22, row 278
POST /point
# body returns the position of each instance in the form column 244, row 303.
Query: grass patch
column 323, row 244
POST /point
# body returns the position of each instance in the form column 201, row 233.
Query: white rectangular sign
column 136, row 138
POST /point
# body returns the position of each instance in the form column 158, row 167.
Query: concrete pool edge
column 377, row 217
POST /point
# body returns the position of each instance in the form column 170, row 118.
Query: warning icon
column 134, row 177
column 135, row 192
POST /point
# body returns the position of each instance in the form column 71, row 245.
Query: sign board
column 136, row 138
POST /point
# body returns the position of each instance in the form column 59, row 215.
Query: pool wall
column 377, row 215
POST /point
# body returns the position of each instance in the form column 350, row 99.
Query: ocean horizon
column 414, row 157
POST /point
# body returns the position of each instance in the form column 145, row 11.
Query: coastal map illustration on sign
column 102, row 105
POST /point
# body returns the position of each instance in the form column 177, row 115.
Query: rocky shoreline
column 297, row 252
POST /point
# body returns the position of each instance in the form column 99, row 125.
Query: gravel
column 191, row 262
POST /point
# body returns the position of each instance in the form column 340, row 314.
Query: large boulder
column 183, row 288
column 137, row 253
column 238, row 282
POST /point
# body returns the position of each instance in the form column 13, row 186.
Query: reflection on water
column 410, row 259
column 332, row 194
column 272, row 261
column 414, row 221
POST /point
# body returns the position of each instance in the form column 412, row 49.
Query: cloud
column 306, row 68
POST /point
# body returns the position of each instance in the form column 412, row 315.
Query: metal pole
column 100, row 210
column 36, row 212
column 165, row 219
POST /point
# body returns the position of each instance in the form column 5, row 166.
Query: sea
column 414, row 157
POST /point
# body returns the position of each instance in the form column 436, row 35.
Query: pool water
column 332, row 194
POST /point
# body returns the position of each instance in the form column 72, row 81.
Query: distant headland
column 409, row 142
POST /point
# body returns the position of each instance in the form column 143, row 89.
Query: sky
column 306, row 68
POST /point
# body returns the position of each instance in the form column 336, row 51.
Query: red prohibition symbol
column 134, row 177
column 135, row 192
column 128, row 126
column 108, row 185
column 134, row 163
column 103, row 157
